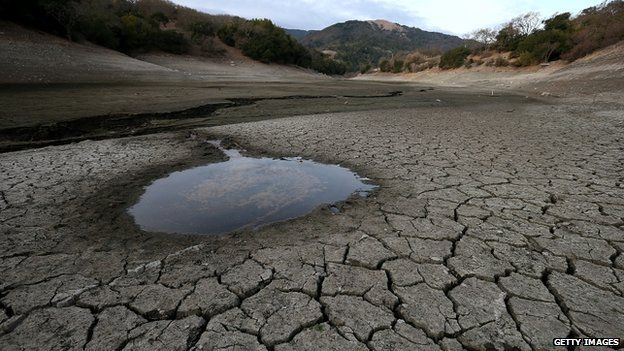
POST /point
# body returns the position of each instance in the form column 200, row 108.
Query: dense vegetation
column 121, row 25
column 454, row 58
column 360, row 44
column 140, row 25
column 262, row 40
column 561, row 36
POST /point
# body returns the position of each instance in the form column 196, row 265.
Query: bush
column 326, row 65
column 100, row 31
column 501, row 62
column 201, row 30
column 384, row 66
column 508, row 38
column 454, row 58
column 599, row 27
column 415, row 58
column 546, row 45
column 525, row 59
column 171, row 41
column 264, row 41
column 397, row 66
column 136, row 33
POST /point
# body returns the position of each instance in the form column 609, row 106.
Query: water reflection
column 242, row 192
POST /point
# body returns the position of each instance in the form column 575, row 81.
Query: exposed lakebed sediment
column 491, row 230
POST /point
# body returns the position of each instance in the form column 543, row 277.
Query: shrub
column 508, row 38
column 100, row 31
column 525, row 59
column 501, row 62
column 171, row 41
column 546, row 45
column 384, row 66
column 135, row 33
column 397, row 66
column 201, row 30
column 328, row 66
column 599, row 27
column 454, row 58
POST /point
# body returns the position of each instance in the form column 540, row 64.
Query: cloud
column 450, row 16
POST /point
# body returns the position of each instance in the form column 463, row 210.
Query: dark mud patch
column 121, row 125
column 242, row 193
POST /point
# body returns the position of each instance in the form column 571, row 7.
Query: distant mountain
column 358, row 43
column 299, row 33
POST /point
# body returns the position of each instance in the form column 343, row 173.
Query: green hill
column 358, row 43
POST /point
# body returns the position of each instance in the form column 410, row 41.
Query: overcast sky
column 449, row 16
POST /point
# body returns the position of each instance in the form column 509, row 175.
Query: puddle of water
column 242, row 192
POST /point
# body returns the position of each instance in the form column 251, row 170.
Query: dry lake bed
column 497, row 224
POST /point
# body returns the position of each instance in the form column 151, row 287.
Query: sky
column 457, row 17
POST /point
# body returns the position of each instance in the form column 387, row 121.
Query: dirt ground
column 498, row 223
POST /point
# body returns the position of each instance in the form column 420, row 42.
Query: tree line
column 132, row 26
column 531, row 40
column 526, row 40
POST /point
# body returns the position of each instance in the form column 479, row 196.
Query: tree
column 64, row 12
column 550, row 43
column 508, row 38
column 485, row 36
column 160, row 18
column 201, row 30
column 527, row 24
column 559, row 22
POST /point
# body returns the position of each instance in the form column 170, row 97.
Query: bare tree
column 527, row 23
column 485, row 36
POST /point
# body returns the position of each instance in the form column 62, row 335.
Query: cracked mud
column 490, row 231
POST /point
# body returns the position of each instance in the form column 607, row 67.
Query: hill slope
column 299, row 34
column 362, row 42
column 31, row 56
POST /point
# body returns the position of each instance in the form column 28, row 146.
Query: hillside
column 30, row 56
column 299, row 34
column 359, row 43
column 599, row 76
column 141, row 26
